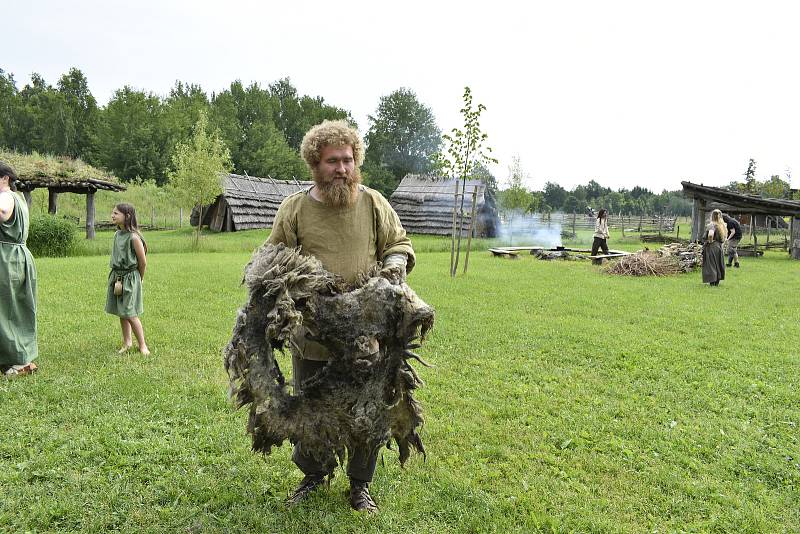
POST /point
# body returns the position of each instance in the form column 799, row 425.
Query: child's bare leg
column 126, row 334
column 136, row 325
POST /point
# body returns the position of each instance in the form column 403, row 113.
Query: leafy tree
column 266, row 153
column 572, row 205
column 516, row 197
column 84, row 114
column 483, row 173
column 9, row 110
column 775, row 187
column 466, row 150
column 45, row 123
column 554, row 195
column 180, row 112
column 749, row 185
column 199, row 165
column 130, row 141
column 402, row 136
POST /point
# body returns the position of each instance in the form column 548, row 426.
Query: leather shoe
column 307, row 486
column 360, row 499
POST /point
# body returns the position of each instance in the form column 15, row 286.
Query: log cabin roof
column 733, row 202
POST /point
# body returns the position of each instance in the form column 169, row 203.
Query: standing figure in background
column 600, row 233
column 18, row 344
column 734, row 236
column 713, row 259
column 128, row 263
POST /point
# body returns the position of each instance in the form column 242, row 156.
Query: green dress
column 125, row 267
column 18, row 344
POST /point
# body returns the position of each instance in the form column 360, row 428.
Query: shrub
column 51, row 236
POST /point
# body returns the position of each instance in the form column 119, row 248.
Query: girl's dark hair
column 130, row 225
column 602, row 212
column 6, row 170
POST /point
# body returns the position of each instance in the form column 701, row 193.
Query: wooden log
column 52, row 201
column 471, row 221
column 795, row 239
column 90, row 213
column 504, row 253
column 453, row 235
column 28, row 199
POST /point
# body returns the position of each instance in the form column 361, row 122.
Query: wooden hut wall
column 248, row 203
column 425, row 205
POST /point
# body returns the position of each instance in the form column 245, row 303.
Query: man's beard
column 338, row 195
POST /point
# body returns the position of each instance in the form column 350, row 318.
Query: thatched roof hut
column 60, row 175
column 425, row 205
column 247, row 202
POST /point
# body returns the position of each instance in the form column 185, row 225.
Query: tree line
column 135, row 135
column 635, row 201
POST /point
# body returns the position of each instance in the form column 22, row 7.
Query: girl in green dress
column 128, row 263
column 18, row 345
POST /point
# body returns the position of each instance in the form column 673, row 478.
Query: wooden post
column 794, row 242
column 768, row 218
column 28, row 199
column 453, row 235
column 52, row 201
column 471, row 226
column 698, row 219
column 574, row 233
column 180, row 218
column 90, row 215
column 678, row 233
column 753, row 235
column 153, row 218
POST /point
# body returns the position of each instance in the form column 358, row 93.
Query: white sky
column 627, row 93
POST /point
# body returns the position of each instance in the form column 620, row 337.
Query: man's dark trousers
column 361, row 462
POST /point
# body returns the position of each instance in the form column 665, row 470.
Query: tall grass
column 562, row 400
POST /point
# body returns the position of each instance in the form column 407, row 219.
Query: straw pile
column 644, row 263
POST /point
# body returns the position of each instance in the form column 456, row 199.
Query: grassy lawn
column 562, row 400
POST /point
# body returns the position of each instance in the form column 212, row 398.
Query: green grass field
column 563, row 400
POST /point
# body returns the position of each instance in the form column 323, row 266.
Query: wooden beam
column 795, row 239
column 52, row 201
column 90, row 215
column 28, row 199
column 698, row 219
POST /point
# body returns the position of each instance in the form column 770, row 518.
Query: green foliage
column 554, row 195
column 51, row 235
column 130, row 139
column 402, row 138
column 199, row 165
column 267, row 154
column 465, row 148
column 516, row 198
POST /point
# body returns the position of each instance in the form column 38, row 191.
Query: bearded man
column 348, row 227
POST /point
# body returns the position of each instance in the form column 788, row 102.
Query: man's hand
column 394, row 268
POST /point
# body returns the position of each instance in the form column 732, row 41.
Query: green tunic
column 124, row 266
column 18, row 344
column 347, row 241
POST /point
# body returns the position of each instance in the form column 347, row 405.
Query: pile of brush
column 644, row 263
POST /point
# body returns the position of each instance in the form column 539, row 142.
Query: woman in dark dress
column 713, row 259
